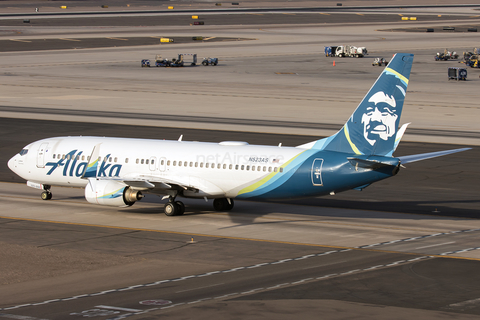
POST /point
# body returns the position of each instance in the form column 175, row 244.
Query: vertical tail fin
column 372, row 128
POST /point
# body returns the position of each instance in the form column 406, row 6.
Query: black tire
column 230, row 205
column 220, row 204
column 180, row 207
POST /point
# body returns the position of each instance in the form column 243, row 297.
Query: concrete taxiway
column 404, row 247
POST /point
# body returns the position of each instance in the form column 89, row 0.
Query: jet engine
column 111, row 193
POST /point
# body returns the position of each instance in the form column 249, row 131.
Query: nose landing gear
column 47, row 194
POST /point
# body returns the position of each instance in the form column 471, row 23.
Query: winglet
column 399, row 137
column 91, row 168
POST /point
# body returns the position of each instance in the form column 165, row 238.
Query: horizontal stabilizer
column 423, row 156
column 372, row 162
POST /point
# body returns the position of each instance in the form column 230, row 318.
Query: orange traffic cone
column 334, row 63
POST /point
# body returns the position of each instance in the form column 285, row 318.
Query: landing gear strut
column 223, row 204
column 174, row 208
column 47, row 194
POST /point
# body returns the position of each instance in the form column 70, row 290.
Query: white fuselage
column 220, row 169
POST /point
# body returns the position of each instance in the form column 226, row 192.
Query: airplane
column 119, row 171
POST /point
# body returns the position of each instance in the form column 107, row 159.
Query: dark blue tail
column 372, row 128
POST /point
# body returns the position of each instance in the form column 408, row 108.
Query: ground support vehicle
column 379, row 62
column 457, row 73
column 210, row 61
column 446, row 55
column 345, row 51
column 145, row 63
column 161, row 62
column 471, row 58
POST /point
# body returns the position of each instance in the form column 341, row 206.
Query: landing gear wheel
column 181, row 208
column 46, row 195
column 170, row 209
column 176, row 208
column 223, row 204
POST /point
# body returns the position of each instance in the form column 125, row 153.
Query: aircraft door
column 41, row 155
column 163, row 164
column 317, row 172
column 153, row 163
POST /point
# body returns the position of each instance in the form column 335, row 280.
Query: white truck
column 345, row 51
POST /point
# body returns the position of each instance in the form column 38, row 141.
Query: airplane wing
column 192, row 186
column 423, row 156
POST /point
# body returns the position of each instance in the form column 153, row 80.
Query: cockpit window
column 23, row 152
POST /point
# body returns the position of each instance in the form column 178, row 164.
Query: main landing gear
column 46, row 194
column 174, row 208
column 223, row 204
column 177, row 208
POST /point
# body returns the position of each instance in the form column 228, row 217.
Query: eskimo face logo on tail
column 380, row 118
column 72, row 167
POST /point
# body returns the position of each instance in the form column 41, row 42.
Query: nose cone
column 12, row 164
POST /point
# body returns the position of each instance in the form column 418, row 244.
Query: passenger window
column 22, row 154
column 105, row 159
column 168, row 162
column 219, row 166
column 236, row 167
column 138, row 161
column 206, row 165
column 115, row 160
column 88, row 158
column 281, row 169
column 162, row 162
column 142, row 161
column 259, row 168
column 253, row 168
column 152, row 162
column 191, row 164
column 230, row 166
column 196, row 164
column 174, row 163
column 275, row 169
column 269, row 169
column 83, row 158
column 146, row 161
column 264, row 168
column 110, row 159
column 242, row 167
column 126, row 160
column 201, row 164
column 248, row 168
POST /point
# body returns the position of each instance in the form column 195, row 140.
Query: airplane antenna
column 280, row 144
column 181, row 137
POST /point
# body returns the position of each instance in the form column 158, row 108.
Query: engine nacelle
column 111, row 193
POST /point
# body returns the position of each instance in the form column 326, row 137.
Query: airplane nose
column 12, row 163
